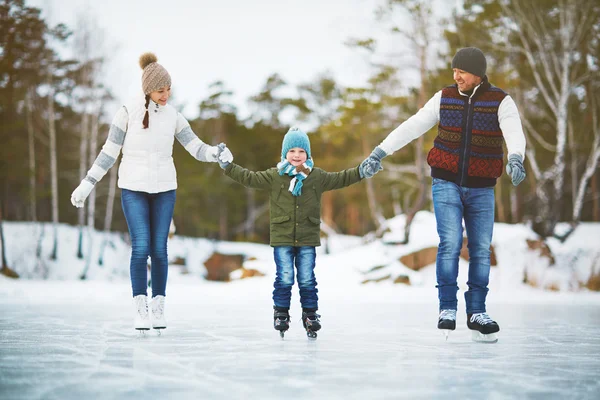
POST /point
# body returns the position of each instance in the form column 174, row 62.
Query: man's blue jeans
column 452, row 204
column 148, row 219
column 304, row 257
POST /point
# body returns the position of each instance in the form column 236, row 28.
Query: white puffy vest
column 147, row 164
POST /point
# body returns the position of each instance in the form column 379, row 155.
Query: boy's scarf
column 298, row 174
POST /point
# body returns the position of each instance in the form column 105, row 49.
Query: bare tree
column 53, row 163
column 551, row 52
column 4, row 270
column 31, row 143
column 110, row 201
column 415, row 33
column 592, row 161
column 83, row 164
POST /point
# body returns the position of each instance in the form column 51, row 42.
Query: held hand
column 81, row 193
column 211, row 153
column 372, row 164
column 515, row 169
column 224, row 156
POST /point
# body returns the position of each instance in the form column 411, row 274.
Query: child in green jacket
column 295, row 188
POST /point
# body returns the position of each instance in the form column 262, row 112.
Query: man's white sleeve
column 413, row 127
column 510, row 125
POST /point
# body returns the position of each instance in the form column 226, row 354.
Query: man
column 474, row 118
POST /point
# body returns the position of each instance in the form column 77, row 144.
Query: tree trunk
column 110, row 203
column 53, row 164
column 596, row 198
column 91, row 217
column 83, row 163
column 223, row 221
column 31, row 140
column 249, row 229
column 2, row 247
column 327, row 207
column 376, row 215
column 515, row 205
column 499, row 203
column 420, row 159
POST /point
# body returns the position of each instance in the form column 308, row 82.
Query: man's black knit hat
column 470, row 59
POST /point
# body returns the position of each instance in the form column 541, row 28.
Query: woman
column 145, row 130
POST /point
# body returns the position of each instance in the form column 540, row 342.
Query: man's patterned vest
column 468, row 149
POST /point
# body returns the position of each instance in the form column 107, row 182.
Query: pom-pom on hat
column 295, row 138
column 155, row 76
column 470, row 59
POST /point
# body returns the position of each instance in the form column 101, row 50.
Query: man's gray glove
column 372, row 164
column 515, row 168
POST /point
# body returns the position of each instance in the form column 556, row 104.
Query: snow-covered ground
column 63, row 338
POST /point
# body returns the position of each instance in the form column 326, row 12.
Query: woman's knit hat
column 295, row 138
column 470, row 59
column 155, row 76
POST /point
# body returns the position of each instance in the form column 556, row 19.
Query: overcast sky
column 240, row 42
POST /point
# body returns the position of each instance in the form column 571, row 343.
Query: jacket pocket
column 314, row 220
column 280, row 191
column 279, row 220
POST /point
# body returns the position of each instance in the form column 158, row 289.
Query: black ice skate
column 483, row 328
column 447, row 321
column 281, row 320
column 311, row 322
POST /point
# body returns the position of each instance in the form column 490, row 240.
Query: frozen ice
column 74, row 340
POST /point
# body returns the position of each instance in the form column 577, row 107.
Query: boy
column 295, row 211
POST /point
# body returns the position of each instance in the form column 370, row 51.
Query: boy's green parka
column 295, row 220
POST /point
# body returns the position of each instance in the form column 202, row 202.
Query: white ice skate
column 141, row 321
column 483, row 328
column 158, row 313
column 447, row 322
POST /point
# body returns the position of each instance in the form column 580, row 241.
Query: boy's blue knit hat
column 295, row 138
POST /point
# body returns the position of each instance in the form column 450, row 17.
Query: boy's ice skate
column 281, row 320
column 447, row 321
column 311, row 322
column 141, row 321
column 158, row 313
column 483, row 328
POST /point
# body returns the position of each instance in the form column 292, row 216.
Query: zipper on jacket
column 295, row 219
column 467, row 137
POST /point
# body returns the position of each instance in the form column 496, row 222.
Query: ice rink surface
column 69, row 342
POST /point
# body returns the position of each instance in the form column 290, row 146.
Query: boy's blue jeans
column 148, row 219
column 304, row 258
column 452, row 204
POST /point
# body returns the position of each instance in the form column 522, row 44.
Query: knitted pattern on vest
column 468, row 147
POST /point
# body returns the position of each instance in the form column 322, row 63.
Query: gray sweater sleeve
column 188, row 139
column 111, row 149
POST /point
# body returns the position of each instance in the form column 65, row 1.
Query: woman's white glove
column 211, row 153
column 224, row 155
column 81, row 193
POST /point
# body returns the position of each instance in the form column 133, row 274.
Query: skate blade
column 446, row 333
column 142, row 332
column 312, row 335
column 479, row 337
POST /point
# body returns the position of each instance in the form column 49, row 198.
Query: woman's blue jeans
column 148, row 219
column 304, row 258
column 452, row 204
